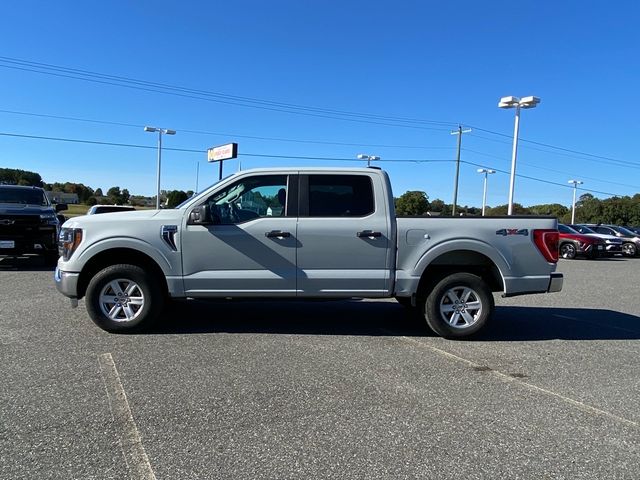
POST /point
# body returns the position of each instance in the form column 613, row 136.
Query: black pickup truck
column 28, row 222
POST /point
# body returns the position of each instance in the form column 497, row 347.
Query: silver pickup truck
column 303, row 233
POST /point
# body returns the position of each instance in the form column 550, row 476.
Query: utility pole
column 197, row 174
column 458, row 132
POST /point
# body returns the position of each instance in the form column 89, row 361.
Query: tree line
column 86, row 194
column 589, row 209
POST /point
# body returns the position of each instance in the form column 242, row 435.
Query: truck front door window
column 250, row 198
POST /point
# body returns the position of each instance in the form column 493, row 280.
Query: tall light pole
column 517, row 103
column 573, row 205
column 459, row 133
column 161, row 131
column 486, row 171
column 368, row 158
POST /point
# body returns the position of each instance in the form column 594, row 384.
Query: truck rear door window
column 340, row 196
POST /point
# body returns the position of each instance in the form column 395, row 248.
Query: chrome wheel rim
column 122, row 300
column 567, row 251
column 628, row 249
column 461, row 307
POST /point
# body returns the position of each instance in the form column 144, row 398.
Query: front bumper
column 67, row 283
column 29, row 240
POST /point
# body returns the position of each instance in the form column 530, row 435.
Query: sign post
column 222, row 153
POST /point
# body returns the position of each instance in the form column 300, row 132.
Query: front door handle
column 277, row 234
column 369, row 234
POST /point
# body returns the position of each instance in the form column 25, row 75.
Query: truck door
column 344, row 245
column 250, row 250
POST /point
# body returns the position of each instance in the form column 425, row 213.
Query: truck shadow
column 387, row 318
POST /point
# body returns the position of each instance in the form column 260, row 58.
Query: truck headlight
column 49, row 218
column 68, row 241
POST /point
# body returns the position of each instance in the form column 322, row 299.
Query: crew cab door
column 249, row 249
column 344, row 239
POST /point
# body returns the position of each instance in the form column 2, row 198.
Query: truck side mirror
column 200, row 215
column 61, row 206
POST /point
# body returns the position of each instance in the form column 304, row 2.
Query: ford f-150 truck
column 303, row 233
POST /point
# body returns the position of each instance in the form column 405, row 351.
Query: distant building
column 62, row 197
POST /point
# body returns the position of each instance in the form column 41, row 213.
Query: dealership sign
column 222, row 152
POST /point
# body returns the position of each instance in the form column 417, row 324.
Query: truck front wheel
column 458, row 305
column 123, row 298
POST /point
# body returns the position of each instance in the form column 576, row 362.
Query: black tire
column 460, row 285
column 145, row 290
column 629, row 249
column 568, row 251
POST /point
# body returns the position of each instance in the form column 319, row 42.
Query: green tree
column 175, row 198
column 98, row 192
column 503, row 209
column 412, row 203
column 116, row 196
column 20, row 177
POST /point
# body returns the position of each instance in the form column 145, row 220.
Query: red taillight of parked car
column 547, row 243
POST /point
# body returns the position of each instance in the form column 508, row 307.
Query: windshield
column 565, row 229
column 625, row 232
column 583, row 229
column 196, row 193
column 24, row 196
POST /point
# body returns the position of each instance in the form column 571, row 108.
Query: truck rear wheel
column 459, row 305
column 124, row 298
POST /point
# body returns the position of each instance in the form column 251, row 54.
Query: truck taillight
column 547, row 243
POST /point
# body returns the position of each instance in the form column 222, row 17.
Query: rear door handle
column 368, row 234
column 277, row 234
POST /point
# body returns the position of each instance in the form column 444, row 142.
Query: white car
column 109, row 209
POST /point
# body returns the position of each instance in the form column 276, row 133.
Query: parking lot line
column 508, row 378
column 132, row 449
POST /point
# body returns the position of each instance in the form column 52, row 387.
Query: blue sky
column 447, row 62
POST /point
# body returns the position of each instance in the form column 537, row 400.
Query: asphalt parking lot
column 352, row 389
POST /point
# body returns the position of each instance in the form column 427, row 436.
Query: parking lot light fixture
column 160, row 132
column 573, row 205
column 517, row 103
column 486, row 172
column 368, row 158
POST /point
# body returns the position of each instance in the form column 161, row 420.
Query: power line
column 222, row 134
column 549, row 182
column 200, row 151
column 163, row 88
column 551, row 169
column 64, row 72
column 555, row 147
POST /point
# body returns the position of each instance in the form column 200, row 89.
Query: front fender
column 166, row 265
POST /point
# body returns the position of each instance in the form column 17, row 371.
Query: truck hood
column 20, row 209
column 124, row 217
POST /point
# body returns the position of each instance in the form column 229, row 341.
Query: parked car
column 28, row 222
column 613, row 244
column 630, row 240
column 573, row 244
column 338, row 237
column 109, row 209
